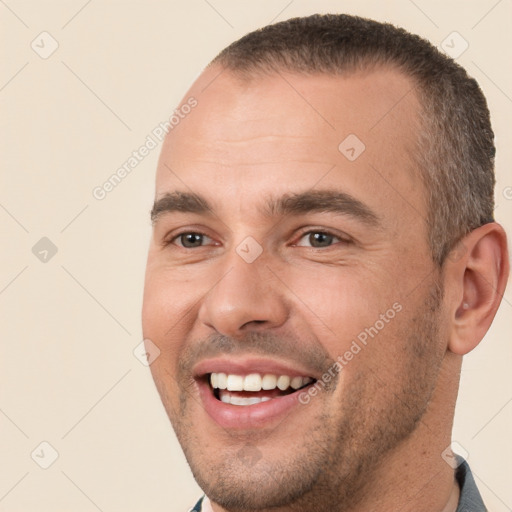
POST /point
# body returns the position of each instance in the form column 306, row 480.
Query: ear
column 475, row 277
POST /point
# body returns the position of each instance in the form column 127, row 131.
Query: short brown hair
column 456, row 141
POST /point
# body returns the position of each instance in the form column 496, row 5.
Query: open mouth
column 254, row 388
column 248, row 393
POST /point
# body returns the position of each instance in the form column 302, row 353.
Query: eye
column 318, row 239
column 191, row 240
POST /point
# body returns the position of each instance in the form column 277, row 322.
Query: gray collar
column 470, row 498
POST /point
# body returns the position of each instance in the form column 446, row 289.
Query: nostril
column 253, row 323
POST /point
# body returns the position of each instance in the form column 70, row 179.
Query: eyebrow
column 323, row 201
column 288, row 204
column 186, row 202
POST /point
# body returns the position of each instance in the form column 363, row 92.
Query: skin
column 373, row 438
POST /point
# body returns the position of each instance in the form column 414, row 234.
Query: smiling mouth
column 254, row 388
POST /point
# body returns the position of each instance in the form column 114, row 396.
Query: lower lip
column 247, row 416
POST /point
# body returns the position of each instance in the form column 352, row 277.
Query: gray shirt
column 469, row 501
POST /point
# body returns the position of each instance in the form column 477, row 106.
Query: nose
column 248, row 297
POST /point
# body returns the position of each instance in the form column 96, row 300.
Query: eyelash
column 339, row 238
column 309, row 231
column 171, row 240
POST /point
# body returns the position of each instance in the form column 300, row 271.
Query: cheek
column 167, row 314
column 344, row 301
column 169, row 297
column 165, row 322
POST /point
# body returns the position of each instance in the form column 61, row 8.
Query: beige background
column 69, row 325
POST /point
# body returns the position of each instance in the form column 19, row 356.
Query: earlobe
column 479, row 277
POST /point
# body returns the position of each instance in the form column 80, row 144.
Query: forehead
column 286, row 130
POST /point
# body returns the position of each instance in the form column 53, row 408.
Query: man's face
column 277, row 252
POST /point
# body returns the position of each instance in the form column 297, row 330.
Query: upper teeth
column 256, row 382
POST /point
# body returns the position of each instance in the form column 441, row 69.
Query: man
column 324, row 253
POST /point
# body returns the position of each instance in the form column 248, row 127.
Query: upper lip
column 248, row 365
